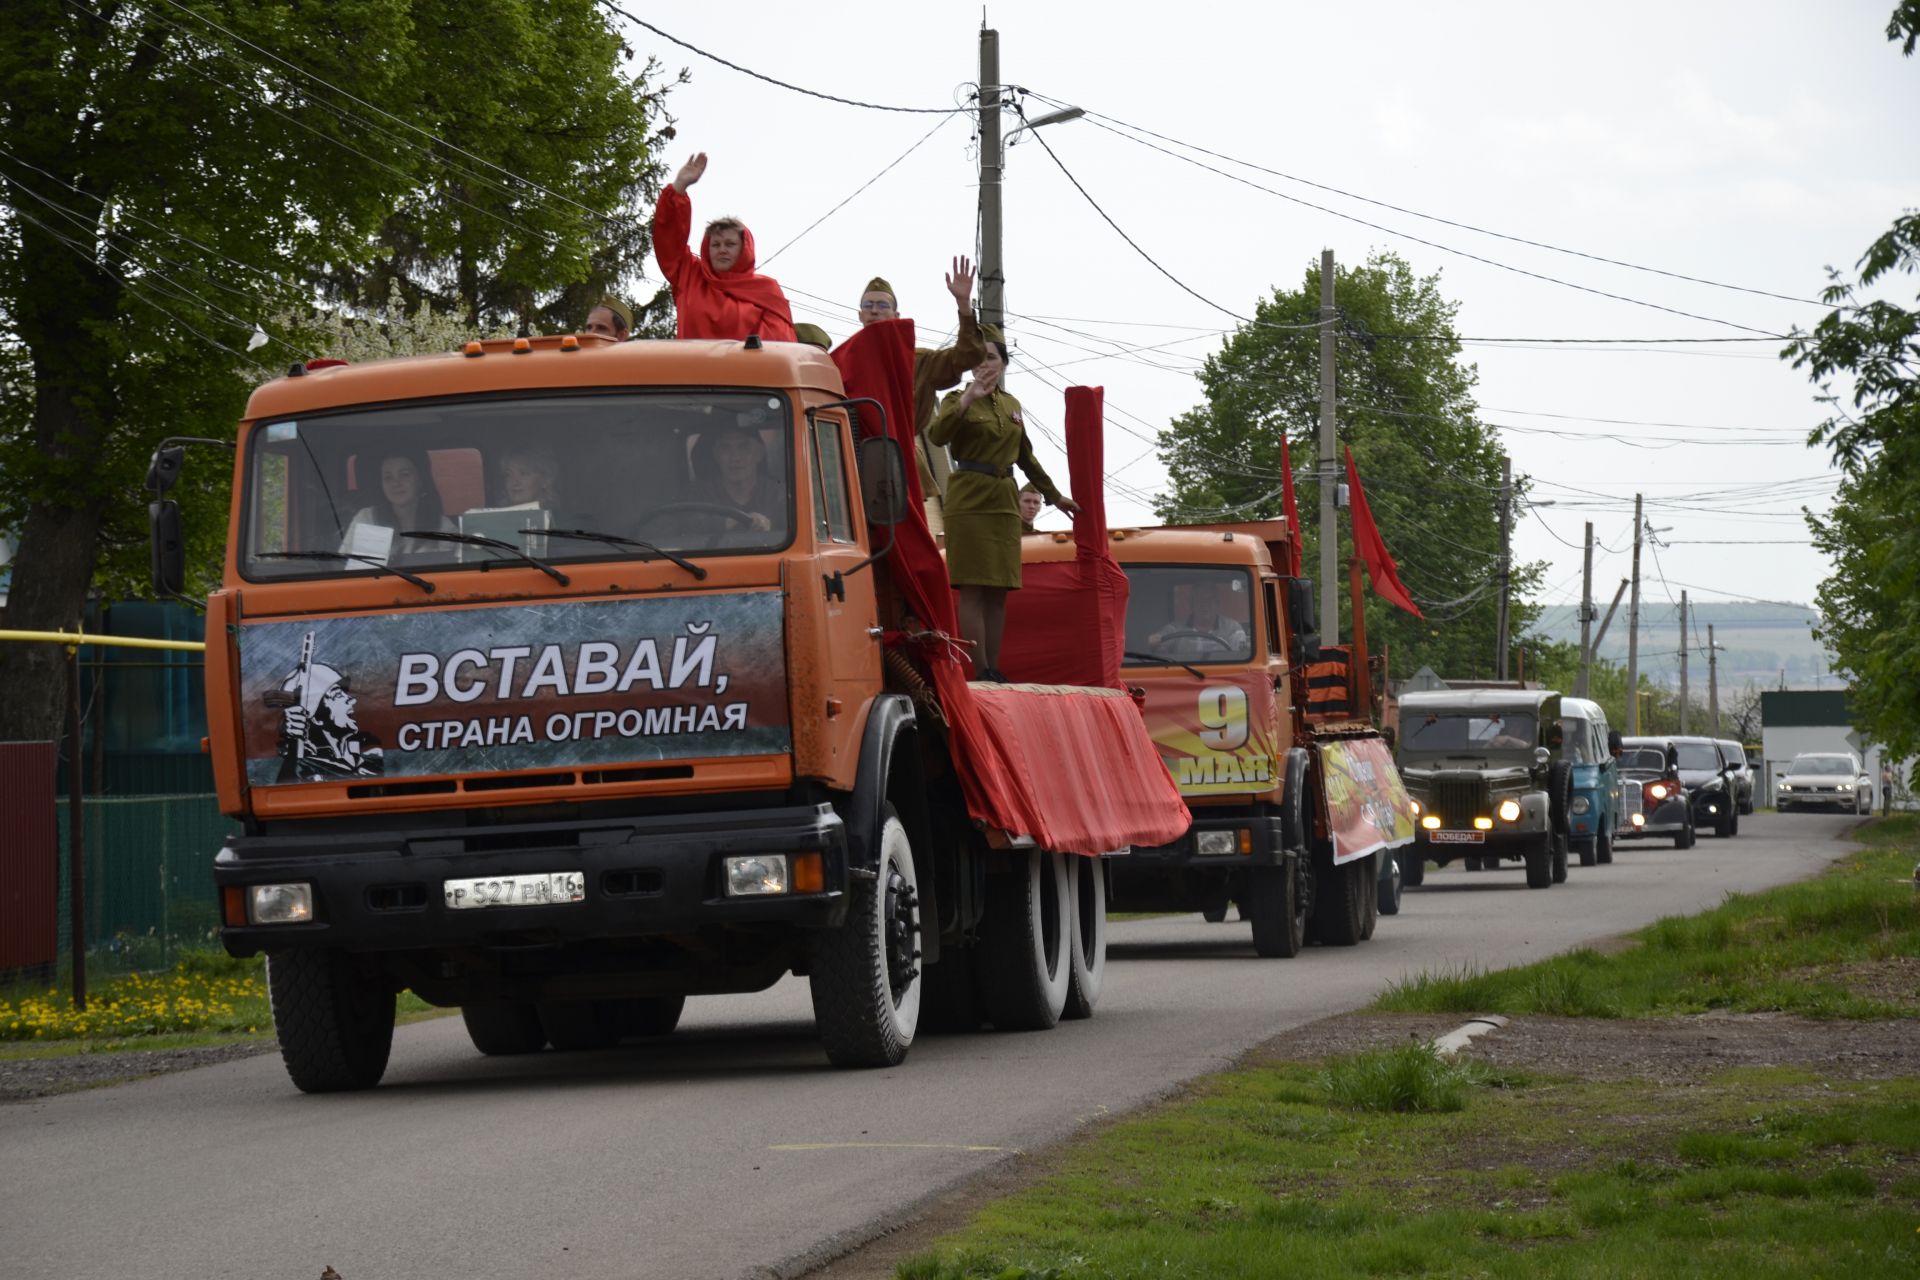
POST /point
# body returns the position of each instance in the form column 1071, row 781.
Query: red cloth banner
column 1373, row 551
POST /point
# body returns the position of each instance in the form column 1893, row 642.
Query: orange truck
column 559, row 680
column 1297, row 806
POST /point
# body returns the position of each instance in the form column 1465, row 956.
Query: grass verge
column 1807, row 949
column 1397, row 1163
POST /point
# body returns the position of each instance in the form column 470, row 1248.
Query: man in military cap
column 813, row 335
column 933, row 372
column 611, row 318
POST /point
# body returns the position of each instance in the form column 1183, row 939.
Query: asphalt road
column 732, row 1146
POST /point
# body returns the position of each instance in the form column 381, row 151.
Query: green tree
column 1431, row 469
column 177, row 171
column 1870, row 604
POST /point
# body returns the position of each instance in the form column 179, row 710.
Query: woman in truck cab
column 408, row 500
column 987, row 434
column 716, row 293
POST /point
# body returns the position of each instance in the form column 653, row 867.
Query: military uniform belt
column 984, row 468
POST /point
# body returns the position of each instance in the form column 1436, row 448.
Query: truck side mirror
column 883, row 480
column 1673, row 758
column 169, row 552
column 1616, row 745
column 163, row 471
column 1300, row 616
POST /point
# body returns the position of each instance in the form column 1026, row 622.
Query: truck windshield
column 1188, row 613
column 1466, row 731
column 561, row 478
column 1577, row 740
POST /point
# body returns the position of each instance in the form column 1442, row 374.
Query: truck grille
column 1460, row 801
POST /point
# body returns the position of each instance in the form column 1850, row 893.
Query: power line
column 1464, row 226
column 938, row 125
column 748, row 71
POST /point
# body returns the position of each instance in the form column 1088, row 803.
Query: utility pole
column 1713, row 680
column 1683, row 662
column 1506, row 566
column 1586, row 614
column 1329, row 518
column 993, row 276
column 1633, row 631
column 1600, row 636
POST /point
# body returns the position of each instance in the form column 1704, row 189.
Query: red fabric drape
column 709, row 303
column 1075, row 771
column 1372, row 550
column 1292, row 509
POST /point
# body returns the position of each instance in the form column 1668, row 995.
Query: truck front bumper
column 1232, row 841
column 644, row 876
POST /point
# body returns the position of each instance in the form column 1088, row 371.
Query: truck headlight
column 1431, row 822
column 1213, row 844
column 1509, row 811
column 1415, row 804
column 756, row 875
column 1483, row 824
column 280, row 903
column 1580, row 804
column 1658, row 791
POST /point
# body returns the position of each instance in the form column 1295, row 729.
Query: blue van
column 1593, row 814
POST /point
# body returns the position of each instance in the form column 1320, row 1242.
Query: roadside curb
column 1458, row 1038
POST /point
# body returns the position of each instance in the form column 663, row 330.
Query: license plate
column 1457, row 837
column 537, row 889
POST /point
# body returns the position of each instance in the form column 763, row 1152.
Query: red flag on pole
column 1293, row 511
column 1373, row 552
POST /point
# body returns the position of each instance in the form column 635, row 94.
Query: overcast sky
column 1751, row 144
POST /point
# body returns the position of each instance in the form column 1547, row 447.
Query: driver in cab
column 1206, row 632
column 732, row 473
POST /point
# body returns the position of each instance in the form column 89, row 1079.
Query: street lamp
column 1040, row 122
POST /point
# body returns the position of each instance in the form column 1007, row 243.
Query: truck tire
column 1370, row 899
column 1559, row 843
column 1391, row 883
column 1559, row 795
column 1413, row 866
column 1340, row 896
column 1589, row 850
column 335, row 1026
column 1540, row 864
column 1087, row 940
column 1214, row 914
column 1603, row 847
column 1684, row 839
column 580, row 1026
column 1278, row 908
column 865, row 976
column 647, row 1015
column 504, row 1027
column 1025, row 960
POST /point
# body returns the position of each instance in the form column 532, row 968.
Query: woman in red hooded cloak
column 716, row 295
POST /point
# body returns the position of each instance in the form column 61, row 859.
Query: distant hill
column 1758, row 641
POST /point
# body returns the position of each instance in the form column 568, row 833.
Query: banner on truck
column 1215, row 734
column 508, row 689
column 1367, row 804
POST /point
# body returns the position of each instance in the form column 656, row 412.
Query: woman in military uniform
column 983, row 428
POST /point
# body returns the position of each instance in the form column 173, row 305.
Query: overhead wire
column 939, row 124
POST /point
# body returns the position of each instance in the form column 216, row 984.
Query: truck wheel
column 865, row 975
column 335, row 1027
column 1683, row 839
column 1391, row 883
column 1214, row 914
column 1087, row 939
column 504, row 1027
column 1370, row 897
column 647, row 1015
column 1277, row 908
column 1025, row 965
column 1559, row 794
column 1540, row 865
column 1413, row 866
column 1603, row 847
column 1340, row 896
column 1589, row 850
column 1559, row 843
column 579, row 1026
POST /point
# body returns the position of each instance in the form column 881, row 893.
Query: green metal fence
column 148, row 880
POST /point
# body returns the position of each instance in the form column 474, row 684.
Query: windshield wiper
column 1164, row 661
column 349, row 557
column 498, row 544
column 615, row 540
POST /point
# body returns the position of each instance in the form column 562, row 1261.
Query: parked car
column 1825, row 780
column 1709, row 780
column 1593, row 814
column 1480, row 765
column 1736, row 756
column 1651, row 793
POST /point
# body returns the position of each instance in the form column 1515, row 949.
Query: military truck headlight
column 1415, row 804
column 756, row 875
column 1580, row 804
column 1509, row 811
column 1431, row 822
column 1483, row 824
column 280, row 903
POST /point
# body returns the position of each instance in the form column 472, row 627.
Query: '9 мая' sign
column 502, row 689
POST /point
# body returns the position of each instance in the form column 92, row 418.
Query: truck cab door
column 845, row 654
